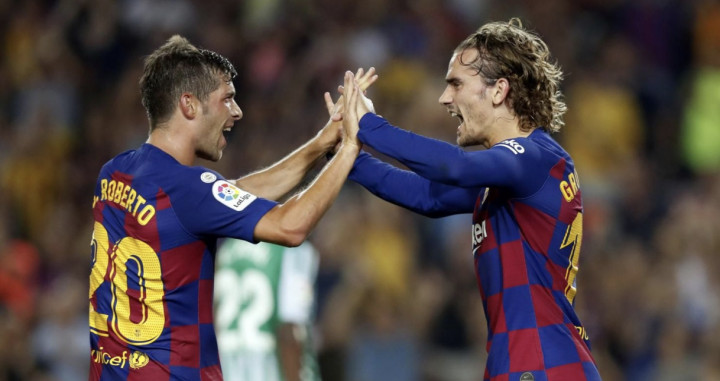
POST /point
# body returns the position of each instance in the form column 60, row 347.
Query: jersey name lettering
column 126, row 197
column 569, row 188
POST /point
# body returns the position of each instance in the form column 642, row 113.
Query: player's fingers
column 329, row 104
column 367, row 82
column 364, row 77
column 350, row 94
column 359, row 96
column 364, row 86
column 351, row 108
column 347, row 88
column 339, row 104
column 349, row 81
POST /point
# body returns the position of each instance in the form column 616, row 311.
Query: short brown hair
column 178, row 67
column 507, row 50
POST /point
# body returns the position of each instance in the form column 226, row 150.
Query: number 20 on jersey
column 133, row 271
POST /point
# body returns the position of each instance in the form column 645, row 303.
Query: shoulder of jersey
column 515, row 145
column 118, row 160
column 205, row 175
column 226, row 192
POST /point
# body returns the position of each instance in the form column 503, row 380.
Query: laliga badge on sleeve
column 208, row 177
column 232, row 196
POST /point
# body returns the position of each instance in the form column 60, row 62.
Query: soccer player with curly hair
column 523, row 192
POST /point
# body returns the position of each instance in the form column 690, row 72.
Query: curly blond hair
column 509, row 51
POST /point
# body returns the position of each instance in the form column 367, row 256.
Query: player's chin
column 462, row 141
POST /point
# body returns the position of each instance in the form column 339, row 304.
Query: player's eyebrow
column 452, row 81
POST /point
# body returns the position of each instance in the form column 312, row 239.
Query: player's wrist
column 327, row 138
column 362, row 114
column 351, row 145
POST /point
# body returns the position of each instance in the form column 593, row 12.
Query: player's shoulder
column 516, row 146
column 201, row 175
column 144, row 160
column 193, row 180
column 118, row 161
column 520, row 148
column 537, row 144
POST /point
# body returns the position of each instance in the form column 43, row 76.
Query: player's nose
column 236, row 112
column 445, row 97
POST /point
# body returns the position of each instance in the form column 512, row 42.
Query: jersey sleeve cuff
column 371, row 121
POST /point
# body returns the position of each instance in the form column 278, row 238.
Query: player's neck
column 506, row 127
column 174, row 144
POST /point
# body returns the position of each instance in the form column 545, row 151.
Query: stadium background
column 397, row 295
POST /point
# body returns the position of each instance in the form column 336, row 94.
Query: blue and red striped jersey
column 526, row 202
column 153, row 262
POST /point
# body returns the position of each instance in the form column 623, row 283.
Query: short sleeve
column 209, row 205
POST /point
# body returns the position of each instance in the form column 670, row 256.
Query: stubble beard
column 465, row 140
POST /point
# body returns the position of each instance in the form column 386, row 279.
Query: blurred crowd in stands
column 397, row 298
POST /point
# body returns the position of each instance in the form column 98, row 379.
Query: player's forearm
column 290, row 223
column 409, row 190
column 391, row 184
column 433, row 159
column 280, row 178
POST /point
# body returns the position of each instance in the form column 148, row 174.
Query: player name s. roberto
column 126, row 197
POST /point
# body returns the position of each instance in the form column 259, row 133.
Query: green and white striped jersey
column 258, row 287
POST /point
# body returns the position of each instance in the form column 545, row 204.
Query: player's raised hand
column 364, row 80
column 350, row 107
column 331, row 135
column 364, row 105
column 334, row 129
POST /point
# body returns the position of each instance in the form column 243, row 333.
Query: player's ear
column 500, row 91
column 188, row 105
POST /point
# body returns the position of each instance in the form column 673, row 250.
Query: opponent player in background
column 264, row 303
column 158, row 217
column 522, row 189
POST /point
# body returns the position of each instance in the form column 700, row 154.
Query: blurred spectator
column 59, row 340
column 701, row 137
column 605, row 126
column 19, row 266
